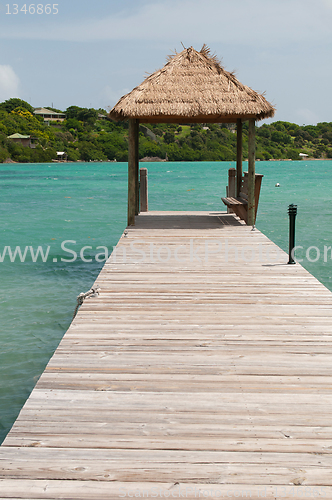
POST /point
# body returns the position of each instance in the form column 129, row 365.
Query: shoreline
column 160, row 161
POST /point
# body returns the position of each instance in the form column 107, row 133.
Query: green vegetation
column 85, row 136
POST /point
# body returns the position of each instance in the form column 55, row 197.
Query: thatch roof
column 192, row 87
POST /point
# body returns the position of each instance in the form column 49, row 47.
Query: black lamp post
column 292, row 211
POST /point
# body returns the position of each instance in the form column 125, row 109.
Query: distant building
column 25, row 140
column 303, row 156
column 50, row 116
column 61, row 156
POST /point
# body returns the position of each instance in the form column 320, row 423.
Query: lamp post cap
column 292, row 209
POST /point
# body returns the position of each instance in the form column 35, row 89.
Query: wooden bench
column 239, row 204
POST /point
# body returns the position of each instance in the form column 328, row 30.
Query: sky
column 91, row 52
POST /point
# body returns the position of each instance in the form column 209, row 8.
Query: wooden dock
column 201, row 371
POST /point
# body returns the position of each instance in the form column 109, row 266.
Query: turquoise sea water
column 42, row 205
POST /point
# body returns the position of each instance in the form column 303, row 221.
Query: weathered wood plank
column 85, row 490
column 100, row 440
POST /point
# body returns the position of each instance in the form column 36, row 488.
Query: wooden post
column 239, row 157
column 137, row 166
column 231, row 182
column 144, row 189
column 251, row 173
column 231, row 188
column 131, row 173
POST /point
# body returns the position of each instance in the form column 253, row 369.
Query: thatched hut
column 192, row 87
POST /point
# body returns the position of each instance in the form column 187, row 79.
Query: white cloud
column 264, row 22
column 9, row 83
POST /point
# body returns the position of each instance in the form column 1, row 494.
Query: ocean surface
column 85, row 204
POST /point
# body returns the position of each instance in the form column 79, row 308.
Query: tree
column 282, row 137
column 89, row 152
column 72, row 112
column 328, row 136
column 311, row 131
column 73, row 123
column 88, row 115
column 82, row 114
column 292, row 153
column 264, row 131
column 14, row 103
column 169, row 137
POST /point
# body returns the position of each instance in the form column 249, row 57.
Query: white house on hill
column 50, row 116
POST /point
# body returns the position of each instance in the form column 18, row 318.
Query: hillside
column 86, row 135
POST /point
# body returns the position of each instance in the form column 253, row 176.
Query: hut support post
column 132, row 169
column 239, row 157
column 137, row 165
column 251, row 173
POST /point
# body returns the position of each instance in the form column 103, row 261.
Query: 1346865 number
column 32, row 8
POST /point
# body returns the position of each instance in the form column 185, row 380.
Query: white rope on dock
column 93, row 292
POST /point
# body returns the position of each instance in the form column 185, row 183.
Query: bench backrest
column 244, row 188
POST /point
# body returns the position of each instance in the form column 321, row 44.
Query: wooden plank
column 170, row 417
column 183, row 383
column 289, row 469
column 171, row 426
column 26, row 456
column 104, row 441
column 85, row 490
